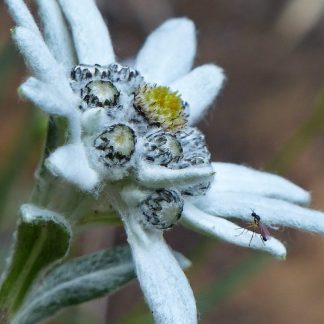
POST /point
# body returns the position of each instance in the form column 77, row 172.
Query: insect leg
column 251, row 238
column 243, row 230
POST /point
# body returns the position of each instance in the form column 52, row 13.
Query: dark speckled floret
column 116, row 144
column 162, row 148
column 162, row 209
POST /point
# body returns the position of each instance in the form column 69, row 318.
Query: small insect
column 257, row 226
column 264, row 232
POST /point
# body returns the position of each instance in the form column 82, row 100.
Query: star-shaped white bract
column 165, row 59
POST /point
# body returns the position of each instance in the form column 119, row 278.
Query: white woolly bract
column 40, row 60
column 70, row 163
column 155, row 176
column 45, row 97
column 21, row 15
column 165, row 287
column 168, row 52
column 228, row 231
column 56, row 33
column 239, row 178
column 51, row 101
column 90, row 34
column 273, row 212
column 199, row 89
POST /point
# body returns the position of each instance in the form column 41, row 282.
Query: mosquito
column 257, row 227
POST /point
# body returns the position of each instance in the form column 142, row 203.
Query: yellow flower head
column 161, row 106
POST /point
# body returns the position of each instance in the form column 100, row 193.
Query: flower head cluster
column 132, row 142
column 129, row 126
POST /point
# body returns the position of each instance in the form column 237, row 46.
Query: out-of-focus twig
column 297, row 19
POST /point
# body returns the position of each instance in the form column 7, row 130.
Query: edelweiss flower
column 132, row 142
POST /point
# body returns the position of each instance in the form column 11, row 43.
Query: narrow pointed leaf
column 81, row 280
column 42, row 238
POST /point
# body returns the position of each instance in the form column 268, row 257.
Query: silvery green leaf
column 42, row 238
column 79, row 280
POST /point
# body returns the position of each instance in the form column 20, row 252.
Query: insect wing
column 264, row 232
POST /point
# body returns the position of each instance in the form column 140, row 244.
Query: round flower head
column 162, row 209
column 133, row 145
column 163, row 149
column 160, row 106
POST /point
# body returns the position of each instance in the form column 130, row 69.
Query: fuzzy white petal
column 273, row 212
column 199, row 88
column 70, row 162
column 39, row 59
column 56, row 33
column 165, row 287
column 238, row 178
column 168, row 52
column 21, row 15
column 154, row 176
column 228, row 231
column 90, row 33
column 45, row 97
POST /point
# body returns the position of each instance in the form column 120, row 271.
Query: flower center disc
column 123, row 140
column 161, row 106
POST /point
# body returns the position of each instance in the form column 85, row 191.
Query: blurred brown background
column 272, row 52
